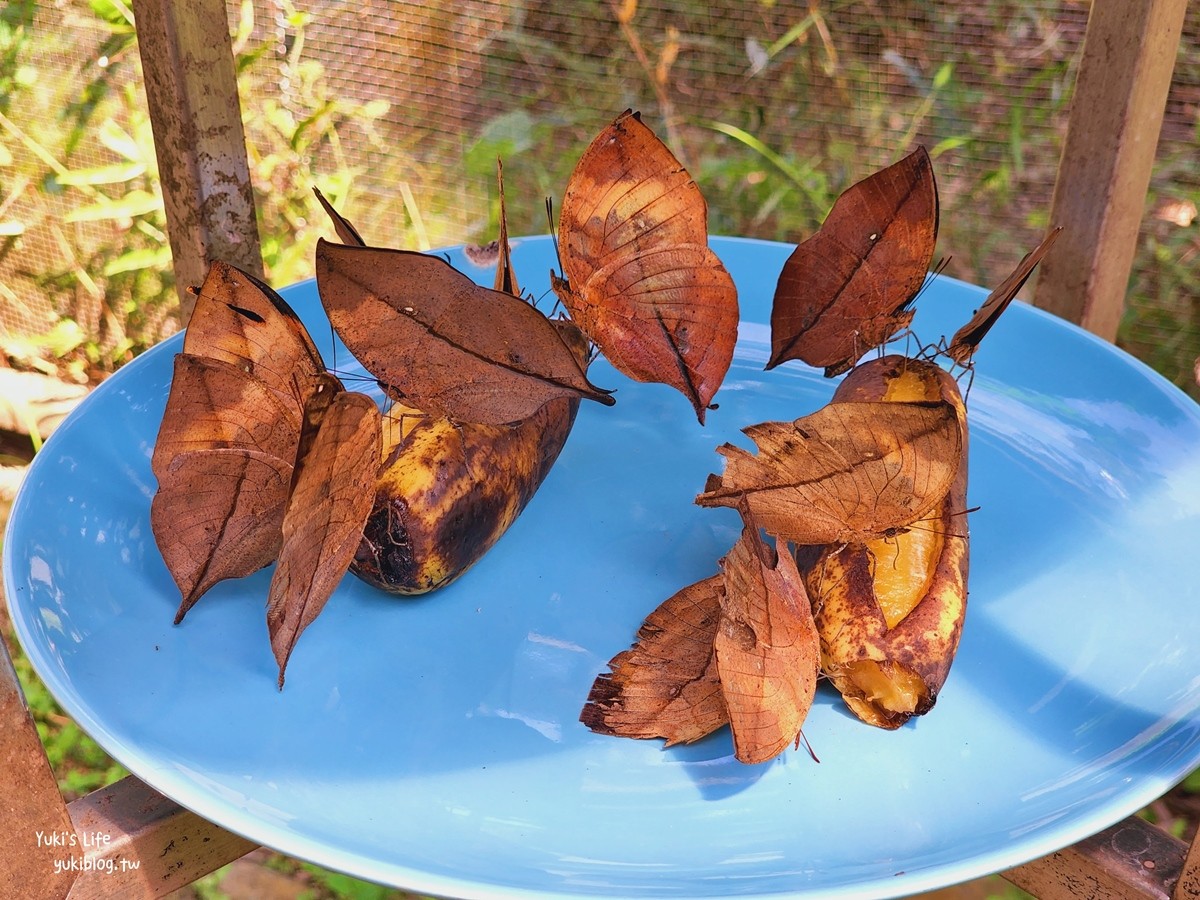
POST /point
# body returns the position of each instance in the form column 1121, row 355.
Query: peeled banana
column 889, row 612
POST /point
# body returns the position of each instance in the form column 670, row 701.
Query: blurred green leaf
column 114, row 174
column 374, row 109
column 811, row 184
column 65, row 337
column 950, row 143
column 345, row 887
column 114, row 13
column 118, row 140
column 143, row 258
column 133, row 204
column 1192, row 782
column 504, row 136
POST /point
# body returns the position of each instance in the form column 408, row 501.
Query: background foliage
column 398, row 111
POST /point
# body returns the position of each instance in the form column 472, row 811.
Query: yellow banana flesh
column 890, row 612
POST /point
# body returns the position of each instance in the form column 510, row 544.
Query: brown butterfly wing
column 217, row 405
column 345, row 231
column 331, row 497
column 683, row 342
column 845, row 290
column 640, row 279
column 223, row 461
column 844, row 474
column 506, row 277
column 628, row 193
column 666, row 685
column 227, row 444
column 966, row 339
column 767, row 649
column 447, row 345
column 240, row 320
column 217, row 515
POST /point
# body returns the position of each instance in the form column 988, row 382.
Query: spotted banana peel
column 890, row 611
column 448, row 490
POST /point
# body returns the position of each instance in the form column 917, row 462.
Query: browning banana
column 447, row 491
column 890, row 612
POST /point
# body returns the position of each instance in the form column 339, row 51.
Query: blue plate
column 434, row 744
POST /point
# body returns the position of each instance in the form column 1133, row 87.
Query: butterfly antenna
column 401, row 417
column 939, row 268
column 963, row 512
column 347, row 376
column 927, row 526
column 351, row 377
column 333, row 343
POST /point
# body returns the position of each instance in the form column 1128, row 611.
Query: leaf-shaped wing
column 346, row 232
column 217, row 405
column 966, row 339
column 217, row 515
column 240, row 320
column 506, row 278
column 845, row 290
column 766, row 647
column 844, row 474
column 666, row 684
column 667, row 315
column 627, row 194
column 330, row 500
column 223, row 461
column 447, row 345
column 640, row 279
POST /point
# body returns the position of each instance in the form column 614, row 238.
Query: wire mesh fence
column 398, row 111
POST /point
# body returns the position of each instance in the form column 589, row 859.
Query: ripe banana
column 447, row 491
column 890, row 612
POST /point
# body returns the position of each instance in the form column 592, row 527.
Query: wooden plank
column 1112, row 134
column 134, row 842
column 33, row 817
column 1188, row 886
column 1130, row 861
column 191, row 90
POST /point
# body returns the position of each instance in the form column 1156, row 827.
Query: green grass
column 79, row 764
